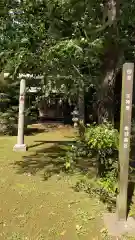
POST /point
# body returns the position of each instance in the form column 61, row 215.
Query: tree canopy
column 78, row 43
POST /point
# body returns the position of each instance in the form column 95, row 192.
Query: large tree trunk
column 110, row 63
column 106, row 98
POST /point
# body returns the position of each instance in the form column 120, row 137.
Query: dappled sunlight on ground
column 34, row 205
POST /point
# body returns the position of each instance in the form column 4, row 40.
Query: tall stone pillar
column 20, row 146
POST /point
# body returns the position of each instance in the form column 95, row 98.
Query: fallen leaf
column 103, row 230
column 91, row 218
column 63, row 233
column 78, row 227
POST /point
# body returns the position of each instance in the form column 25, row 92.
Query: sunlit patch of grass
column 36, row 209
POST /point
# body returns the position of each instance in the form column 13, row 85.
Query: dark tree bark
column 110, row 63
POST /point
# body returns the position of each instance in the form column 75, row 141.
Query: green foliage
column 98, row 142
column 52, row 38
column 8, row 122
column 110, row 181
column 102, row 137
column 102, row 141
column 65, row 41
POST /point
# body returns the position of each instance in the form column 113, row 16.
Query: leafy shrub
column 102, row 137
column 101, row 143
column 109, row 182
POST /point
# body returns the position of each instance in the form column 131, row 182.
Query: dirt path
column 34, row 207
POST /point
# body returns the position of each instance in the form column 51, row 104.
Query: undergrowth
column 99, row 142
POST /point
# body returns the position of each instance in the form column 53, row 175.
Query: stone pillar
column 20, row 146
column 119, row 224
column 124, row 139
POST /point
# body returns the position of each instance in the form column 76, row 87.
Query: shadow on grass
column 39, row 143
column 48, row 160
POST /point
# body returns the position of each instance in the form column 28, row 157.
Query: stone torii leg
column 20, row 146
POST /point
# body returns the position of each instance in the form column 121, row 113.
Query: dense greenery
column 78, row 43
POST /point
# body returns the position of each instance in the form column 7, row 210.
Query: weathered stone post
column 125, row 129
column 119, row 224
column 20, row 146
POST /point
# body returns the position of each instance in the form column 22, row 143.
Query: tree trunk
column 110, row 63
column 106, row 98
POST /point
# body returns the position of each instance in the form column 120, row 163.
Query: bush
column 101, row 143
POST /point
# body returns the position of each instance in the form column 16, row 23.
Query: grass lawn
column 37, row 200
